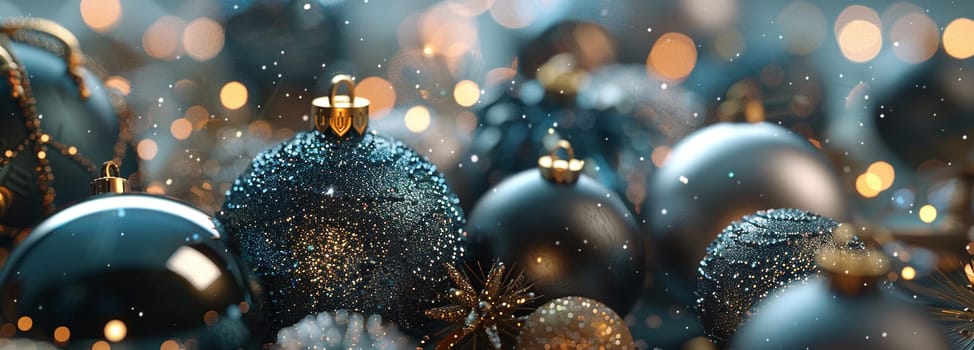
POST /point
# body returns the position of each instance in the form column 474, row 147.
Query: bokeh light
column 417, row 119
column 147, row 149
column 466, row 93
column 120, row 84
column 445, row 33
column 908, row 273
column 115, row 331
column 25, row 323
column 867, row 185
column 858, row 33
column 379, row 92
column 101, row 345
column 515, row 13
column 711, row 15
column 469, row 8
column 181, row 128
column 928, row 213
column 101, row 15
column 169, row 345
column 884, row 173
column 803, row 27
column 959, row 38
column 915, row 37
column 233, row 95
column 203, row 39
column 161, row 39
column 673, row 56
column 62, row 334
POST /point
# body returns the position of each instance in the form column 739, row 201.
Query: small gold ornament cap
column 110, row 181
column 340, row 113
column 561, row 171
column 853, row 272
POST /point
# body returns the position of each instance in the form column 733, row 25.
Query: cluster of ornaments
column 341, row 237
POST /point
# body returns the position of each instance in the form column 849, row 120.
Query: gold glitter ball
column 574, row 323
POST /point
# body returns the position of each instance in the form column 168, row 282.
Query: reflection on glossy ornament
column 343, row 218
column 847, row 309
column 723, row 172
column 572, row 236
column 133, row 269
column 574, row 323
column 755, row 256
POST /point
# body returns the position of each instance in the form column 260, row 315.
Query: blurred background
column 883, row 88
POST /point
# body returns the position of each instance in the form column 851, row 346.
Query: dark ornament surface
column 755, row 256
column 151, row 267
column 360, row 223
column 571, row 239
column 721, row 173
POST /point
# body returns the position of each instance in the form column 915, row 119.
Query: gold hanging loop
column 70, row 47
column 557, row 170
column 341, row 113
column 110, row 180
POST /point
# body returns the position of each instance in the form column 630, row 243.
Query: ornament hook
column 341, row 113
column 110, row 180
column 557, row 170
column 71, row 48
column 853, row 272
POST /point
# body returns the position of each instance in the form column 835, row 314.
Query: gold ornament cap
column 561, row 171
column 110, row 181
column 853, row 272
column 340, row 113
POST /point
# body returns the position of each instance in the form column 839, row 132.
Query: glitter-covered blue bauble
column 357, row 222
column 753, row 257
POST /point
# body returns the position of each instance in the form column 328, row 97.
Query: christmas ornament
column 845, row 310
column 133, row 269
column 574, row 323
column 789, row 93
column 341, row 218
column 344, row 330
column 58, row 122
column 571, row 235
column 951, row 299
column 722, row 172
column 489, row 317
column 755, row 256
column 511, row 131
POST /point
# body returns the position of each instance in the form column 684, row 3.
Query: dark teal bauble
column 132, row 269
column 82, row 132
column 755, row 256
column 846, row 308
column 571, row 239
column 722, row 172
